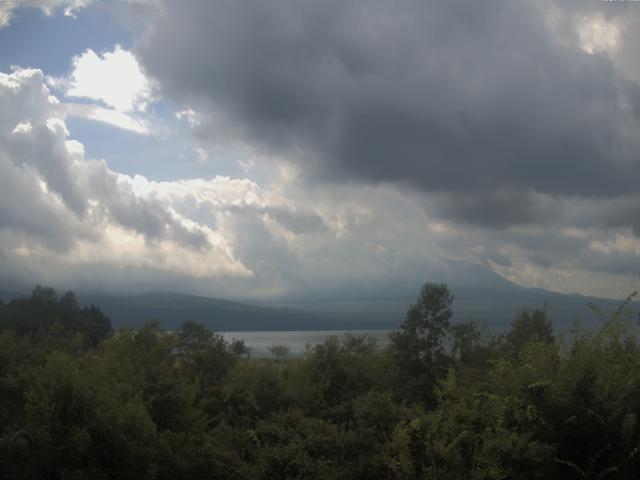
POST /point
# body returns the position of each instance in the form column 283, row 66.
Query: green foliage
column 279, row 351
column 44, row 314
column 427, row 324
column 239, row 349
column 442, row 401
column 419, row 345
column 528, row 327
column 341, row 369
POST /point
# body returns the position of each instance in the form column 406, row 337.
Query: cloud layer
column 59, row 207
column 376, row 141
column 481, row 103
column 72, row 221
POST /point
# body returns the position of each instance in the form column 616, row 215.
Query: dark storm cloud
column 499, row 208
column 477, row 101
column 623, row 211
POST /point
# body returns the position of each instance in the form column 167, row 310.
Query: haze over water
column 259, row 342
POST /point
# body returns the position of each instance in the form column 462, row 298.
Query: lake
column 259, row 342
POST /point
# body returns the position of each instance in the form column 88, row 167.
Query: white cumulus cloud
column 114, row 88
column 114, row 78
column 60, row 211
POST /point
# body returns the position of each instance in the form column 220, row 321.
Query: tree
column 467, row 343
column 194, row 336
column 205, row 353
column 45, row 315
column 427, row 325
column 279, row 351
column 239, row 348
column 529, row 327
column 419, row 345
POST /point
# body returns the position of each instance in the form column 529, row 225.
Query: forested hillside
column 443, row 401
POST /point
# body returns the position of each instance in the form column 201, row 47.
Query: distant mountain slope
column 172, row 309
column 7, row 296
column 493, row 307
column 480, row 295
column 468, row 274
column 496, row 308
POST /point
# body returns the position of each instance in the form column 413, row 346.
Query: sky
column 289, row 149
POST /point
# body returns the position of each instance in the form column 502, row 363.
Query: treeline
column 442, row 401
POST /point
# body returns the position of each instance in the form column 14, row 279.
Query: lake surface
column 259, row 342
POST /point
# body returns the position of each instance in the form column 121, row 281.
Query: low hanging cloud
column 480, row 104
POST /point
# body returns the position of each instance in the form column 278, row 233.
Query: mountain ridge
column 480, row 295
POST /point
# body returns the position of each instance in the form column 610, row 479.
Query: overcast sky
column 281, row 148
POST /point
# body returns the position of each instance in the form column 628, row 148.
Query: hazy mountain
column 437, row 269
column 7, row 296
column 480, row 295
column 493, row 307
column 172, row 309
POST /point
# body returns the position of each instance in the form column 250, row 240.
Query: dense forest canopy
column 447, row 401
